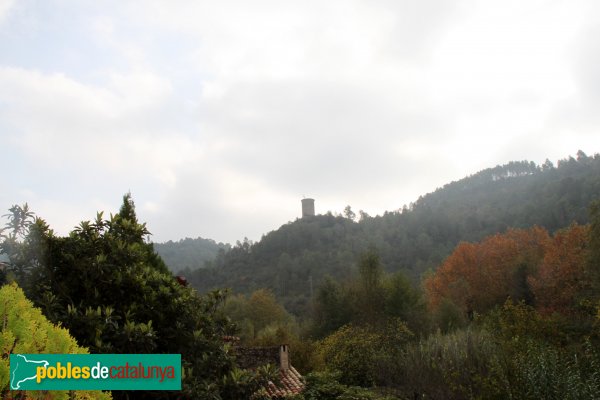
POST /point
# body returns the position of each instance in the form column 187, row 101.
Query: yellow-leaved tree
column 25, row 330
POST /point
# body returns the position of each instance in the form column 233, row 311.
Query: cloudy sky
column 219, row 116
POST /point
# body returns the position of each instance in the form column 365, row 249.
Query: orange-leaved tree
column 479, row 276
column 561, row 276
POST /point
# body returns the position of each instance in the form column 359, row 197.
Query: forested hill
column 293, row 260
column 189, row 253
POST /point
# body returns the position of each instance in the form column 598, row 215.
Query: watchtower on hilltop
column 308, row 208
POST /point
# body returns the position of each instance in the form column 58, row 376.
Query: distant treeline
column 294, row 260
column 189, row 253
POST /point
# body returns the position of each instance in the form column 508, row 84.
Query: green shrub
column 326, row 386
column 364, row 355
column 542, row 371
column 476, row 364
column 451, row 366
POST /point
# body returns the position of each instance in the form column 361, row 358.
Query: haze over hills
column 294, row 259
column 522, row 295
column 189, row 253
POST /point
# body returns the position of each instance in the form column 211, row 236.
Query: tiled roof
column 290, row 383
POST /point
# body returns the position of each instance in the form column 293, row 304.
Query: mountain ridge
column 294, row 259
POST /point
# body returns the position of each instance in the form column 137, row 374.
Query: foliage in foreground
column 448, row 366
column 326, row 386
column 512, row 354
column 363, row 355
column 106, row 284
column 25, row 330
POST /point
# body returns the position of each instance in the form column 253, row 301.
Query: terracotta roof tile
column 290, row 383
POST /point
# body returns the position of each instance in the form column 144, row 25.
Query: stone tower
column 308, row 208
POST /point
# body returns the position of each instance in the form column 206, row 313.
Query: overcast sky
column 219, row 116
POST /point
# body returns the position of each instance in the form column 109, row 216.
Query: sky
column 219, row 117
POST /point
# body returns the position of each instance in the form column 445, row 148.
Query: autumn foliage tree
column 592, row 272
column 478, row 276
column 560, row 280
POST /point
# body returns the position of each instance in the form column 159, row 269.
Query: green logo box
column 95, row 371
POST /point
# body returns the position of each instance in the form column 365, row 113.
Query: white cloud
column 57, row 119
column 5, row 6
column 219, row 116
column 89, row 143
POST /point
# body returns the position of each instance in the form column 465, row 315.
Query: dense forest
column 189, row 254
column 293, row 260
column 513, row 316
column 488, row 288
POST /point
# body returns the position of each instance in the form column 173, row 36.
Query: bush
column 326, row 386
column 26, row 330
column 546, row 372
column 364, row 356
column 450, row 366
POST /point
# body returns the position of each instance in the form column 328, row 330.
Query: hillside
column 189, row 253
column 293, row 260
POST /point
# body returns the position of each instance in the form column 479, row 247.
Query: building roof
column 290, row 383
column 290, row 380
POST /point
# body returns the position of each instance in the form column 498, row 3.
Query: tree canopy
column 105, row 283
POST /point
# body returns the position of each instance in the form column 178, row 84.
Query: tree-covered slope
column 189, row 253
column 293, row 260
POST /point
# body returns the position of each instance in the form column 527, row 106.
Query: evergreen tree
column 106, row 285
column 25, row 330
